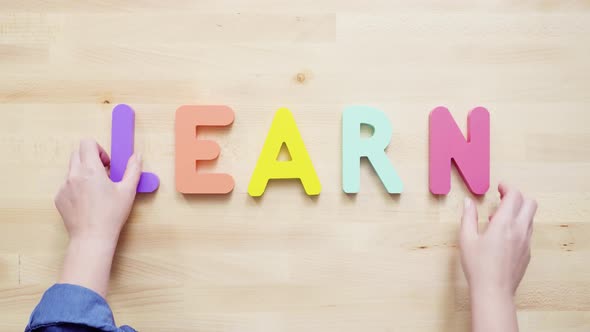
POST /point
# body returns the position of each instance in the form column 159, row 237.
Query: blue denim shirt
column 72, row 308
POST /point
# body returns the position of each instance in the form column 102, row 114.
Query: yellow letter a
column 284, row 131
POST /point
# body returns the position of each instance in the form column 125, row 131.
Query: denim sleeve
column 72, row 308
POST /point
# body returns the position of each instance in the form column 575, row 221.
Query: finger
column 74, row 162
column 503, row 189
column 103, row 156
column 132, row 173
column 509, row 206
column 89, row 153
column 527, row 215
column 469, row 220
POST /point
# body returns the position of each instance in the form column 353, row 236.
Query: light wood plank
column 285, row 262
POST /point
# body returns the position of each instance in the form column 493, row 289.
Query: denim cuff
column 73, row 305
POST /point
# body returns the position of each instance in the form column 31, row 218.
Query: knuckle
column 513, row 193
column 59, row 196
column 86, row 143
column 533, row 203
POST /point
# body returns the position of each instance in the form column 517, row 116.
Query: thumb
column 469, row 220
column 132, row 172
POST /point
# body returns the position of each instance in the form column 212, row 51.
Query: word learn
column 447, row 145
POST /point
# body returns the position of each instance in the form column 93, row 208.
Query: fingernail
column 467, row 203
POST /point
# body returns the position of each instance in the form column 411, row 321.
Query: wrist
column 88, row 263
column 493, row 309
column 93, row 245
column 95, row 240
column 489, row 293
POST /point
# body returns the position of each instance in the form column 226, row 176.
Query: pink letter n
column 471, row 156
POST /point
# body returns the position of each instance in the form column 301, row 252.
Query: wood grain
column 285, row 262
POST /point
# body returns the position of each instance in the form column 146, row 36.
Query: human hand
column 91, row 205
column 94, row 210
column 498, row 257
column 494, row 261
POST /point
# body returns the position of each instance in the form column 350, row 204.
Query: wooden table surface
column 285, row 262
